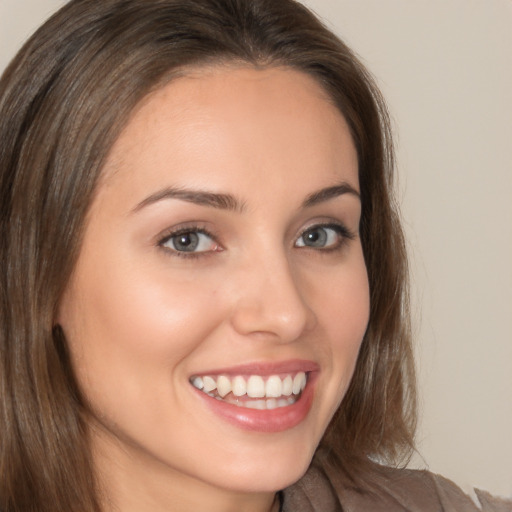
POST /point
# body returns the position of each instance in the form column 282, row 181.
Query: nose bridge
column 270, row 298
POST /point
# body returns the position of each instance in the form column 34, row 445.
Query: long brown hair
column 63, row 101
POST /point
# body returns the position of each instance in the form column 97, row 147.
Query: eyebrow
column 200, row 197
column 328, row 193
column 231, row 203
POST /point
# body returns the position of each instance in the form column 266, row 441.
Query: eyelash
column 345, row 235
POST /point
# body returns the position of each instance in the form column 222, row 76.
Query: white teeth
column 287, row 385
column 271, row 403
column 274, row 387
column 197, row 382
column 255, row 387
column 209, row 384
column 239, row 386
column 223, row 386
column 275, row 391
column 299, row 383
column 256, row 404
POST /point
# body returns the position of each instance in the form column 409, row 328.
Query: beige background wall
column 446, row 68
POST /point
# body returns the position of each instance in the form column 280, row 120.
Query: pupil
column 316, row 238
column 186, row 242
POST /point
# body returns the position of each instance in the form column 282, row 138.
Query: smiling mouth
column 253, row 391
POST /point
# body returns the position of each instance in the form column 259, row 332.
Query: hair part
column 63, row 101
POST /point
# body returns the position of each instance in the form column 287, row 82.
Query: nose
column 269, row 301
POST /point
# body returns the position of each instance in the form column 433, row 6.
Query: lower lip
column 267, row 420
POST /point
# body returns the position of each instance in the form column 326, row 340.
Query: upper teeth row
column 254, row 386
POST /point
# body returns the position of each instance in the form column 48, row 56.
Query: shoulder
column 387, row 490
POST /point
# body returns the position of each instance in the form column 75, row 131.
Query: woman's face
column 221, row 255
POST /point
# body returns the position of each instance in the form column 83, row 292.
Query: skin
column 141, row 320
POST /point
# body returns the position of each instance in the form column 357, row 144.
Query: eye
column 190, row 241
column 330, row 236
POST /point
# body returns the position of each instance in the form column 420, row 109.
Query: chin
column 268, row 472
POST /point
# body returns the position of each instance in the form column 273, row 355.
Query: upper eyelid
column 179, row 230
column 339, row 226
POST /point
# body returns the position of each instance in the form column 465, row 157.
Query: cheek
column 134, row 330
column 344, row 304
column 343, row 313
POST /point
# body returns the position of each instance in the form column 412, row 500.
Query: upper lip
column 265, row 368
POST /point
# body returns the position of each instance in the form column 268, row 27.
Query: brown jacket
column 395, row 490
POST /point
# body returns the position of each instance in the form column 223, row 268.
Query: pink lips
column 290, row 366
column 266, row 420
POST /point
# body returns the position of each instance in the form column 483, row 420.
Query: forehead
column 235, row 121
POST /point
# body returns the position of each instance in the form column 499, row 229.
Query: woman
column 204, row 302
